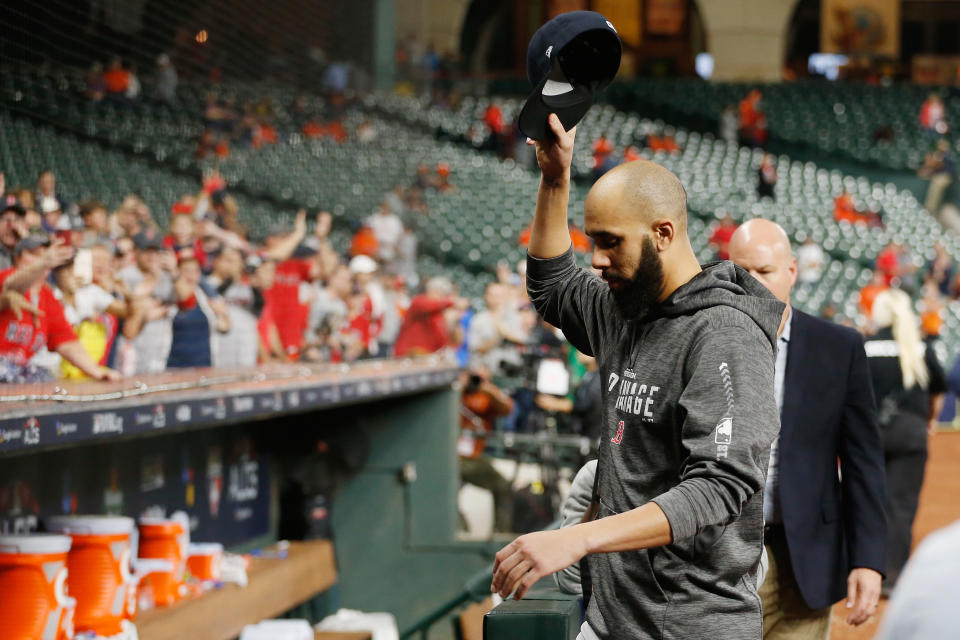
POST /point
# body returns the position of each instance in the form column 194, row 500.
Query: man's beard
column 640, row 292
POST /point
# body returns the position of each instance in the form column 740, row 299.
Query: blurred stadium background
column 341, row 106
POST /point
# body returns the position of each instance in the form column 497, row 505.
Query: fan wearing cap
column 91, row 310
column 146, row 335
column 50, row 204
column 365, row 270
column 686, row 354
column 12, row 228
column 44, row 324
column 238, row 347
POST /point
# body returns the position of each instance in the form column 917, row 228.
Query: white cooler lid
column 90, row 525
column 153, row 520
column 36, row 543
column 204, row 548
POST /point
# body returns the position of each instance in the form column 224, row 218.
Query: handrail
column 476, row 589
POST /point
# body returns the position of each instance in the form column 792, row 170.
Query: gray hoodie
column 689, row 415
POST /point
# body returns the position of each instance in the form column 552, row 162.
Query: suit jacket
column 832, row 525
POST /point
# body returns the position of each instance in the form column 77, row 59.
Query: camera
column 541, row 368
column 473, row 383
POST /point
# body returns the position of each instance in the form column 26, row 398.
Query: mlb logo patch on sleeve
column 724, row 431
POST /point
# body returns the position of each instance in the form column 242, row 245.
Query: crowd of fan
column 119, row 84
column 88, row 292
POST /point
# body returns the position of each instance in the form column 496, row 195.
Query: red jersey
column 888, row 263
column 364, row 243
column 721, row 238
column 117, row 80
column 290, row 315
column 749, row 116
column 424, row 329
column 493, row 118
column 21, row 339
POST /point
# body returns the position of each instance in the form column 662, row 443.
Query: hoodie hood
column 726, row 284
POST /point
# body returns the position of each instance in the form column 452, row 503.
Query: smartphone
column 83, row 267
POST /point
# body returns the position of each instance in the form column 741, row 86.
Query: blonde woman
column 908, row 384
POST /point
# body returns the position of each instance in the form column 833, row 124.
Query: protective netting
column 289, row 40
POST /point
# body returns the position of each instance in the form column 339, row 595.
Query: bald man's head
column 636, row 215
column 636, row 193
column 763, row 248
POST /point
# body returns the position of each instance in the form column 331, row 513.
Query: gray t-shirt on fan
column 152, row 345
column 238, row 346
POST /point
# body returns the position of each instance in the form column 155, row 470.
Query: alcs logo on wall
column 30, row 434
column 159, row 417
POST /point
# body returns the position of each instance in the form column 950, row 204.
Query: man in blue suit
column 824, row 526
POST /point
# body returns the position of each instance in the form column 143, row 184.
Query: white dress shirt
column 771, row 507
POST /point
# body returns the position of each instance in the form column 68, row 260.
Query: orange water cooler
column 99, row 575
column 203, row 560
column 164, row 539
column 33, row 601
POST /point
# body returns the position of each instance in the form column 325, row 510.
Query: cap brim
column 570, row 105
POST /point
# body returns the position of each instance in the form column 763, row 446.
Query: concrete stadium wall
column 747, row 38
column 432, row 21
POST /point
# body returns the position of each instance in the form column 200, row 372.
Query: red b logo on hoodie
column 617, row 439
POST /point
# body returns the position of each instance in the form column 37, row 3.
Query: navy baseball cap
column 31, row 242
column 147, row 240
column 10, row 203
column 570, row 60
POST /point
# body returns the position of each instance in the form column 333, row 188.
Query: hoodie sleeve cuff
column 680, row 513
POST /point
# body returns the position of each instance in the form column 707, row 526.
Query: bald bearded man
column 825, row 531
column 687, row 359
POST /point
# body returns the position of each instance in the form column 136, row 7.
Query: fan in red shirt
column 753, row 122
column 355, row 334
column 283, row 298
column 720, row 238
column 424, row 328
column 117, row 78
column 32, row 318
column 290, row 315
column 493, row 118
column 888, row 263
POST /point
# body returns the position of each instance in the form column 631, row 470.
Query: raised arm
column 25, row 277
column 285, row 248
column 549, row 234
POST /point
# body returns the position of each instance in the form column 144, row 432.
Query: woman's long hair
column 892, row 308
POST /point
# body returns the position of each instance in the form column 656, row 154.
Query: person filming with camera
column 483, row 402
